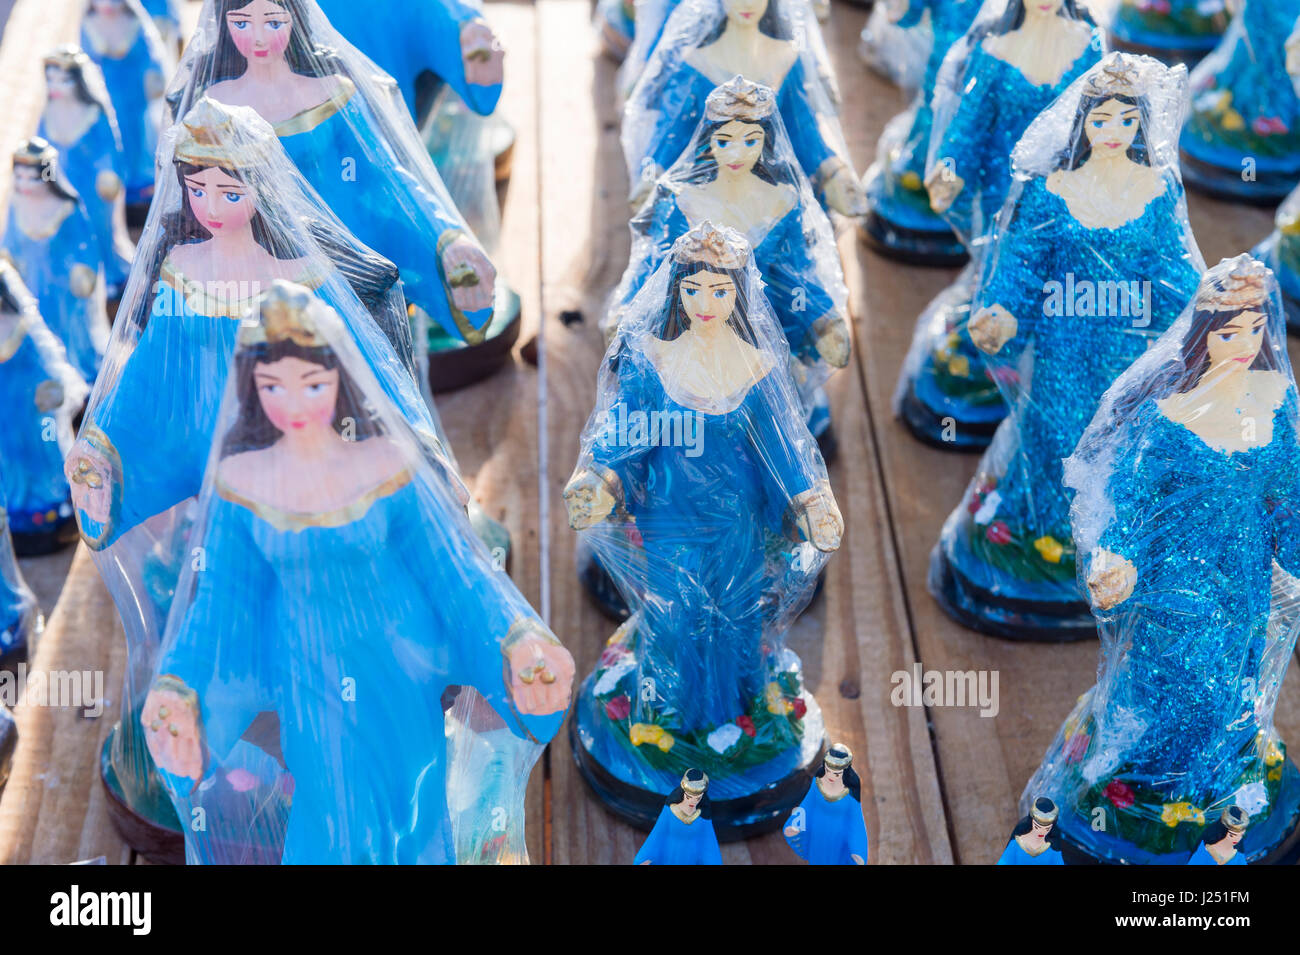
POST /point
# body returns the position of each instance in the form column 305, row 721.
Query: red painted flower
column 634, row 535
column 746, row 724
column 619, row 707
column 1076, row 747
column 1003, row 375
column 976, row 502
column 998, row 533
column 798, row 707
column 1119, row 793
column 610, row 656
column 1269, row 126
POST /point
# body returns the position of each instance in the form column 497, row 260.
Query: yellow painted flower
column 776, row 702
column 665, row 741
column 1049, row 548
column 1232, row 121
column 953, row 340
column 959, row 367
column 646, row 733
column 1275, row 774
column 910, row 181
column 1289, row 225
column 1273, row 754
column 1175, row 812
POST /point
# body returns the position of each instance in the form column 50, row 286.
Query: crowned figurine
column 683, row 833
column 1092, row 258
column 1242, row 138
column 1186, row 506
column 827, row 828
column 1176, row 31
column 705, row 498
column 79, row 121
column 21, row 621
column 51, row 242
column 342, row 591
column 1034, row 840
column 1280, row 251
column 1010, row 66
column 705, row 44
column 1221, row 838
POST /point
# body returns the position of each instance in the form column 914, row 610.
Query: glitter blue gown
column 1014, row 855
column 97, row 153
column 369, row 774
column 55, row 268
column 833, row 831
column 1186, row 30
column 673, row 842
column 1202, row 857
column 1000, row 542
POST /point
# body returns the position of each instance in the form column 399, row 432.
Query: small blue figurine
column 683, row 833
column 1034, row 841
column 827, row 828
column 79, row 122
column 52, row 244
column 1218, row 846
column 1242, row 138
column 21, row 621
column 1280, row 251
column 1176, row 31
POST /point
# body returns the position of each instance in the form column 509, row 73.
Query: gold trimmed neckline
column 293, row 521
column 10, row 344
column 695, row 814
column 198, row 300
column 313, row 116
column 1033, row 854
column 829, row 798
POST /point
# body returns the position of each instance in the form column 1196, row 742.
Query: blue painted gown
column 1014, row 855
column 673, row 842
column 1202, row 857
column 19, row 613
column 833, row 830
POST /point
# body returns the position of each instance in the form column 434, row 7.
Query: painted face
column 297, row 395
column 59, row 83
column 27, row 180
column 748, row 12
column 1111, row 128
column 221, row 203
column 708, row 298
column 834, row 775
column 106, row 7
column 1043, row 8
column 1038, row 829
column 736, row 146
column 1234, row 838
column 691, row 801
column 1236, row 345
column 260, row 30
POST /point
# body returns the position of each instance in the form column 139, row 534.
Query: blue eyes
column 690, row 292
column 317, row 388
column 232, row 197
column 1129, row 122
column 197, row 193
column 275, row 24
column 717, row 293
column 273, row 389
column 1097, row 124
column 239, row 25
column 245, row 24
column 720, row 293
column 751, row 143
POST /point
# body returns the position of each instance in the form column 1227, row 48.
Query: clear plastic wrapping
column 704, row 496
column 898, row 53
column 1171, row 28
column 1186, row 512
column 704, row 44
column 1092, row 258
column 21, row 621
column 1280, row 251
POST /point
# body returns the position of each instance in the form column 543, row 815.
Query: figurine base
column 733, row 819
column 929, row 427
column 37, row 545
column 453, row 364
column 157, row 843
column 1009, row 618
column 1172, row 55
column 934, row 249
column 1268, row 188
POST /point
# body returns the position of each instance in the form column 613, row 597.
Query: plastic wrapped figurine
column 166, row 18
column 52, row 244
column 1188, row 512
column 232, row 214
column 1034, row 841
column 706, row 44
column 900, row 222
column 1093, row 257
column 705, row 498
column 43, row 392
column 122, row 40
column 1281, row 252
column 1176, row 31
column 898, row 53
column 1242, row 139
column 1219, row 843
column 1012, row 63
column 683, row 833
column 78, row 121
column 616, row 26
column 337, row 118
column 827, row 828
column 21, row 621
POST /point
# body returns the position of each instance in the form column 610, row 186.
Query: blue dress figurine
column 827, row 828
column 1176, row 31
column 1242, row 138
column 683, row 833
column 616, row 27
column 1219, row 844
column 1011, row 65
column 897, row 53
column 322, row 523
column 52, row 244
column 1186, row 505
column 42, row 394
column 1091, row 261
column 707, row 501
column 707, row 44
column 900, row 222
column 166, row 18
column 21, row 621
column 1280, row 251
column 1034, row 841
column 79, row 122
column 119, row 36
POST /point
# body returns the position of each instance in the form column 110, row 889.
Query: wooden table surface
column 939, row 785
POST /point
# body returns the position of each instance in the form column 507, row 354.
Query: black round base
column 37, row 545
column 1022, row 620
column 1286, row 852
column 733, row 819
column 1268, row 189
column 928, row 427
column 156, row 843
column 913, row 247
column 828, row 444
column 454, row 368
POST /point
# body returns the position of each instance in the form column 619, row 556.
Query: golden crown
column 720, row 247
column 838, row 756
column 1117, row 76
column 36, row 152
column 740, row 99
column 1235, row 819
column 695, row 787
column 1248, row 282
column 217, row 135
column 68, row 57
column 284, row 314
column 1046, row 815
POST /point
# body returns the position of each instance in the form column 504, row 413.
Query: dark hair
column 52, row 176
column 1078, row 150
column 704, row 168
column 302, row 54
column 851, row 780
column 769, row 23
column 1014, row 17
column 678, row 794
column 676, row 320
column 1214, row 832
column 9, row 301
column 78, row 74
column 1027, row 823
column 252, row 430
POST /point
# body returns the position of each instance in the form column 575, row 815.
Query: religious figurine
column 43, row 392
column 900, row 222
column 1091, row 260
column 1186, row 505
column 827, row 828
column 1221, row 838
column 338, row 120
column 1242, row 138
column 705, row 498
column 21, row 621
column 342, row 590
column 120, row 37
column 683, row 833
column 616, row 26
column 1015, row 60
column 166, row 18
column 52, row 244
column 1176, row 31
column 1034, row 841
column 897, row 53
column 1280, row 251
column 707, row 43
